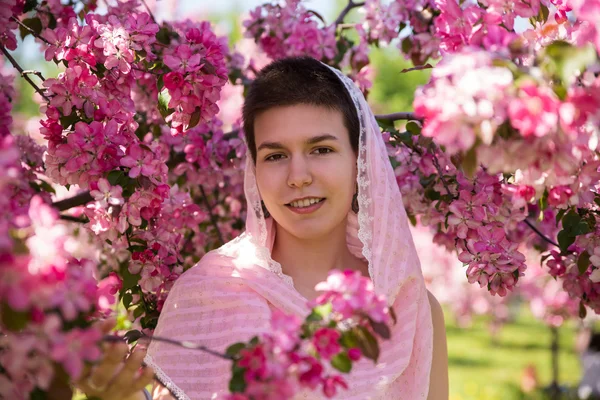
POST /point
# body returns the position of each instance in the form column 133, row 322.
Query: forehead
column 298, row 122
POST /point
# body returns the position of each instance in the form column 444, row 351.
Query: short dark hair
column 297, row 80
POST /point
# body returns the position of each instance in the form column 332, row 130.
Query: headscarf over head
column 228, row 297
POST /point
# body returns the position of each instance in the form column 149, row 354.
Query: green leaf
column 35, row 24
column 133, row 336
column 139, row 310
column 127, row 299
column 12, row 319
column 544, row 201
column 39, row 394
column 349, row 339
column 46, row 187
column 114, row 177
column 237, row 384
column 565, row 239
column 380, row 328
column 583, row 262
column 386, row 124
column 393, row 315
column 342, row 362
column 407, row 45
column 432, row 194
column 129, row 280
column 559, row 215
column 164, row 97
column 412, row 219
column 234, row 349
column 413, row 127
column 469, row 162
column 163, row 36
column 367, row 343
column 323, row 310
column 195, row 118
column 570, row 220
column 69, row 120
column 581, row 228
column 29, row 5
column 582, row 310
column 567, row 61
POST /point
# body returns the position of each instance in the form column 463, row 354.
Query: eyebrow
column 312, row 140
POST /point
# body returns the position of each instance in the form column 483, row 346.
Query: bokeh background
column 499, row 348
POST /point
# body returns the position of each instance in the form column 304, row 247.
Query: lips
column 298, row 207
column 305, row 202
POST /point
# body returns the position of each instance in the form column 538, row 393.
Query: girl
column 321, row 195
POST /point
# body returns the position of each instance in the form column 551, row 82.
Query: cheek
column 266, row 180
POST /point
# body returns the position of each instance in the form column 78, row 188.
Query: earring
column 264, row 209
column 355, row 203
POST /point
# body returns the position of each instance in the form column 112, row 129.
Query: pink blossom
column 139, row 160
column 107, row 194
column 331, row 383
column 325, row 341
column 534, row 111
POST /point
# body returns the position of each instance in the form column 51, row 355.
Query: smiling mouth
column 305, row 203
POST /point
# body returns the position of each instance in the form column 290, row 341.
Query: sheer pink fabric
column 229, row 295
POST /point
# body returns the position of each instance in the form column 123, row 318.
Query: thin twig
column 28, row 29
column 184, row 344
column 398, row 116
column 213, row 219
column 536, row 230
column 71, row 218
column 436, row 163
column 78, row 200
column 23, row 74
column 351, row 4
column 149, row 11
column 34, row 72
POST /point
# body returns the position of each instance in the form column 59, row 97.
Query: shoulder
column 438, row 382
column 437, row 313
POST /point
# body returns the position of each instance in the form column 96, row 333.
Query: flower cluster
column 48, row 295
column 344, row 320
column 284, row 29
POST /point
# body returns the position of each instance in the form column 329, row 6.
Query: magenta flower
column 331, row 384
column 255, row 362
column 535, row 111
column 139, row 160
column 106, row 194
column 183, row 60
column 325, row 341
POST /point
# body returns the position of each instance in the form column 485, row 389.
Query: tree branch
column 77, row 200
column 28, row 29
column 436, row 163
column 71, row 218
column 213, row 219
column 351, row 4
column 398, row 116
column 149, row 12
column 23, row 74
column 536, row 230
column 34, row 72
column 184, row 344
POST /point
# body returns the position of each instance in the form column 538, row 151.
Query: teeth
column 304, row 202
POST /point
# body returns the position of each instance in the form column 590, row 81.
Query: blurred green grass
column 481, row 368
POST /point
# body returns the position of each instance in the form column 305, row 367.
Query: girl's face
column 305, row 168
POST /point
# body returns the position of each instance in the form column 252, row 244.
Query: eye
column 323, row 150
column 274, row 157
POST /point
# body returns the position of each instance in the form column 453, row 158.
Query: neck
column 308, row 261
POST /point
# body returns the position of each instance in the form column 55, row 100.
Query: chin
column 311, row 229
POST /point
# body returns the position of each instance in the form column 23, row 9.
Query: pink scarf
column 228, row 296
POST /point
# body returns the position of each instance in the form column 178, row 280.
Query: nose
column 299, row 173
